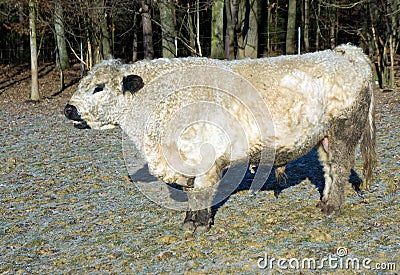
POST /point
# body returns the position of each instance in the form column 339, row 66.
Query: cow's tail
column 368, row 143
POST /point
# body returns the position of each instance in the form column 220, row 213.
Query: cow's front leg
column 200, row 200
column 198, row 218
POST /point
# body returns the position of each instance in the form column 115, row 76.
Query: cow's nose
column 70, row 111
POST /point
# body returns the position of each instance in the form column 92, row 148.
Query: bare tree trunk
column 217, row 32
column 276, row 41
column 21, row 18
column 242, row 27
column 391, row 51
column 393, row 22
column 378, row 56
column 62, row 60
column 35, row 95
column 269, row 23
column 333, row 23
column 306, row 25
column 248, row 29
column 135, row 39
column 105, row 32
column 95, row 36
column 291, row 28
column 379, row 63
column 199, row 51
column 231, row 19
column 318, row 32
column 58, row 67
column 385, row 60
column 167, row 18
column 147, row 31
column 251, row 48
column 89, row 54
column 60, row 37
column 192, row 35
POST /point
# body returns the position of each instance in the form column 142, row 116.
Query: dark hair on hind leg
column 368, row 144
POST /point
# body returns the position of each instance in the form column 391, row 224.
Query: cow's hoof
column 200, row 229
column 197, row 221
column 189, row 226
column 329, row 209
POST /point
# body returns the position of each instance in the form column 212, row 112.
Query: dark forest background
column 88, row 31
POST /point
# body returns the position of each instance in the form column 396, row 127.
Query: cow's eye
column 99, row 88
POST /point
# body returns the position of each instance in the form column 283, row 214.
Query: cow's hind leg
column 336, row 154
column 336, row 176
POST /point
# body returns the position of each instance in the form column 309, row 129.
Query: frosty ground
column 67, row 205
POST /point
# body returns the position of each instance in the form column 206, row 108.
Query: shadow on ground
column 306, row 167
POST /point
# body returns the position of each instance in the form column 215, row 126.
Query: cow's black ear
column 132, row 83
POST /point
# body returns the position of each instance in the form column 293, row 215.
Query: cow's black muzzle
column 71, row 113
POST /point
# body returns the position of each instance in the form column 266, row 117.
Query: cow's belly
column 300, row 122
column 284, row 155
column 294, row 144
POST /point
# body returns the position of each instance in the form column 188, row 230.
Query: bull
column 323, row 99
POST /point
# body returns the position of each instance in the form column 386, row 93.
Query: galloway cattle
column 193, row 118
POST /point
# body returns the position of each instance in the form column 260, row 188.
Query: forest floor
column 67, row 205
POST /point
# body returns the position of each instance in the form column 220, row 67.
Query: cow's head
column 102, row 97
